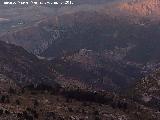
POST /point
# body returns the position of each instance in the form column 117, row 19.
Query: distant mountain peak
column 141, row 7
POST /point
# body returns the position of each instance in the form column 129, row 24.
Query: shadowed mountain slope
column 23, row 67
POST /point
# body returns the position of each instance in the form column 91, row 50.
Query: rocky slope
column 23, row 67
column 19, row 99
column 67, row 104
column 147, row 89
column 88, row 69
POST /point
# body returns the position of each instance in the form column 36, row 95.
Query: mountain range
column 88, row 61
